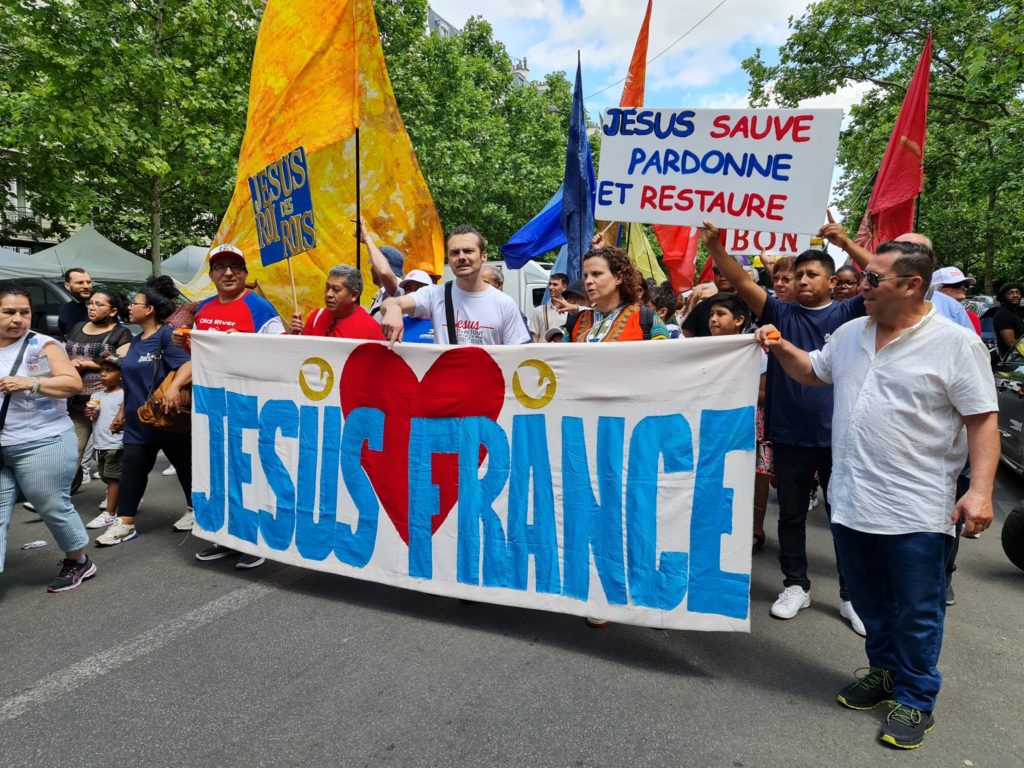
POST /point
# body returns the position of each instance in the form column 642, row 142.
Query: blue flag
column 539, row 235
column 578, row 186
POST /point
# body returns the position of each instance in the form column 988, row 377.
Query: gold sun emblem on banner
column 546, row 382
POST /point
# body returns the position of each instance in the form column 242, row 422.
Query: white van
column 526, row 285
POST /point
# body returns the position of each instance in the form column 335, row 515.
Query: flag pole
column 291, row 277
column 359, row 223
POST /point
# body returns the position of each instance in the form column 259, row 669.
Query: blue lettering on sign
column 530, row 459
column 491, row 551
column 242, row 415
column 589, row 525
column 713, row 590
column 655, row 583
column 364, row 426
column 278, row 527
column 283, row 208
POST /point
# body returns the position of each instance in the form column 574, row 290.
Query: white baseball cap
column 226, row 249
column 950, row 276
column 416, row 276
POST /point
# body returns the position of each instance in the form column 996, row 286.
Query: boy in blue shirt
column 798, row 419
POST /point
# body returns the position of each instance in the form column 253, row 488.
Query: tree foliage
column 972, row 205
column 130, row 114
column 127, row 113
column 492, row 153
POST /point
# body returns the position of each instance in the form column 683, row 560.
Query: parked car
column 48, row 294
column 985, row 307
column 1009, row 376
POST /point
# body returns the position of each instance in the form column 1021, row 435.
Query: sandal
column 758, row 543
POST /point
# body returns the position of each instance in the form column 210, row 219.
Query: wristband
column 35, row 386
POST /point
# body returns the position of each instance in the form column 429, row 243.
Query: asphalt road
column 164, row 661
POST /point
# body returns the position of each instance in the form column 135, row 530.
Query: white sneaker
column 169, row 471
column 102, row 520
column 186, row 521
column 118, row 533
column 29, row 506
column 847, row 612
column 96, row 476
column 103, row 504
column 791, row 601
column 86, row 478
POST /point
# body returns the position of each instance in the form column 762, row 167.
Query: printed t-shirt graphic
column 248, row 313
column 481, row 317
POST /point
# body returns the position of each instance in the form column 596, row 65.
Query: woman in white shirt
column 37, row 440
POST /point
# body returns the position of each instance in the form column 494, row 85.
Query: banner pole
column 291, row 277
column 359, row 249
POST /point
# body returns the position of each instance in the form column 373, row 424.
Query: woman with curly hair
column 615, row 289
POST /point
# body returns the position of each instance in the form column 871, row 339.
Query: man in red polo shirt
column 341, row 316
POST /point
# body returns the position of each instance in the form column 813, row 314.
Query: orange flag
column 318, row 73
column 632, row 96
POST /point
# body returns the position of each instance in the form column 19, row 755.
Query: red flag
column 633, row 90
column 679, row 252
column 901, row 176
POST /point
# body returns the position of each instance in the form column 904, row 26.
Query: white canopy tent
column 91, row 251
column 186, row 263
column 17, row 266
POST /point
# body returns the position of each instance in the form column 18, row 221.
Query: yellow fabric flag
column 318, row 74
column 641, row 253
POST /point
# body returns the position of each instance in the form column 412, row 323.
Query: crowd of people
column 874, row 385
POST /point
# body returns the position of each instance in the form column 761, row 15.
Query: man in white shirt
column 546, row 317
column 480, row 313
column 906, row 383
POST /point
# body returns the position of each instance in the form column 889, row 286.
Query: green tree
column 972, row 204
column 127, row 113
column 492, row 153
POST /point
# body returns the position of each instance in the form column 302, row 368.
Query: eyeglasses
column 848, row 283
column 873, row 278
column 137, row 304
column 236, row 268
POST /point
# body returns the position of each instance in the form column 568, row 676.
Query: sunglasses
column 873, row 278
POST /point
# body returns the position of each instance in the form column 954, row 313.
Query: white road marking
column 99, row 664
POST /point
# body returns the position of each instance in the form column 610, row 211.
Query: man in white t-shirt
column 482, row 314
column 907, row 382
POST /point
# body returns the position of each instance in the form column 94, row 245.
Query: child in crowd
column 102, row 409
column 663, row 300
column 730, row 315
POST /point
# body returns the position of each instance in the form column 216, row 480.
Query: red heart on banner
column 462, row 382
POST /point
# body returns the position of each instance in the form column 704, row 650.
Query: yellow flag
column 641, row 253
column 318, row 73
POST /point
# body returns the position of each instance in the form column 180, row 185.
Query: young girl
column 102, row 409
column 730, row 315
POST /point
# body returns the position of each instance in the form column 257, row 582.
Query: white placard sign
column 766, row 170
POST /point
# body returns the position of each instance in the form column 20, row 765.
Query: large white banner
column 608, row 480
column 766, row 170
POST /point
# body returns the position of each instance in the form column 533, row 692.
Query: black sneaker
column 249, row 561
column 905, row 727
column 72, row 574
column 867, row 692
column 950, row 594
column 216, row 552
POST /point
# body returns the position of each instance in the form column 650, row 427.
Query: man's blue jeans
column 898, row 587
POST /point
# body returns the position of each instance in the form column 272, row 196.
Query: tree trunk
column 155, row 198
column 154, row 225
column 990, row 241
